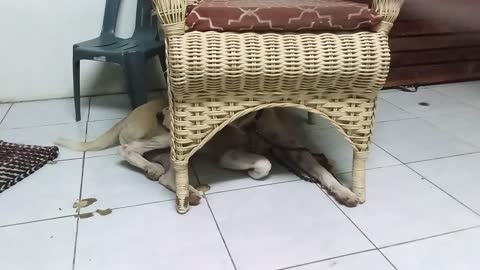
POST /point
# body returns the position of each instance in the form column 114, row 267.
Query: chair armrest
column 389, row 10
column 172, row 15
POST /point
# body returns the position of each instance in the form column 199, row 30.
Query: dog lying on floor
column 242, row 145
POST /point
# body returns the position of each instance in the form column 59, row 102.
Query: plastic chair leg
column 76, row 88
column 135, row 71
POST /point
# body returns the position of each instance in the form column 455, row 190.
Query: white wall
column 36, row 39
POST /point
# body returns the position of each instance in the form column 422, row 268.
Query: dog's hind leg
column 167, row 179
column 132, row 153
column 258, row 166
column 309, row 164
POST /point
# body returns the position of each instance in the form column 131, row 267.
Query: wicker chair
column 217, row 77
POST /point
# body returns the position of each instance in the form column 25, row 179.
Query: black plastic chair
column 131, row 53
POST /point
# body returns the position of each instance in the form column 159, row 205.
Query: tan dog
column 143, row 130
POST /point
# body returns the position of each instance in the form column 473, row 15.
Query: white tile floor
column 423, row 208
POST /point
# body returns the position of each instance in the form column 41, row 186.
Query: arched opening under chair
column 324, row 137
column 294, row 109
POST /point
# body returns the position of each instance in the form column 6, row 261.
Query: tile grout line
column 73, row 215
column 251, row 187
column 388, row 153
column 423, row 117
column 134, row 205
column 437, row 92
column 46, row 125
column 150, row 91
column 431, row 237
column 68, row 159
column 431, row 159
column 431, row 182
column 221, row 235
column 80, row 191
column 444, row 191
column 6, row 113
column 396, row 120
column 108, row 119
column 356, row 226
column 102, row 155
column 396, row 106
column 78, row 218
column 327, row 259
column 33, row 221
column 215, row 220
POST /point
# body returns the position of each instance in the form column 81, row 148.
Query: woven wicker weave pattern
column 235, row 72
column 214, row 78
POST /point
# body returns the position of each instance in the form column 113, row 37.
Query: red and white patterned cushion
column 282, row 16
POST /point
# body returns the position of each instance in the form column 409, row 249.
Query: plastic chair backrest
column 145, row 23
column 110, row 17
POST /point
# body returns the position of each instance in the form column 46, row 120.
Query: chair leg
column 135, row 72
column 76, row 88
column 358, row 174
column 181, row 180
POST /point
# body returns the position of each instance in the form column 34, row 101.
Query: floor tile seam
column 327, row 259
column 77, row 229
column 442, row 157
column 396, row 106
column 35, row 221
column 221, row 234
column 6, row 113
column 444, row 191
column 356, row 226
column 431, row 182
column 470, row 228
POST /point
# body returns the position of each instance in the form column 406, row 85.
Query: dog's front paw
column 346, row 197
column 261, row 169
column 154, row 171
column 194, row 198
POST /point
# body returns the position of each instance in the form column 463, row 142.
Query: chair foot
column 182, row 187
column 358, row 175
column 182, row 205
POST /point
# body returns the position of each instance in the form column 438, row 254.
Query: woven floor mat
column 17, row 161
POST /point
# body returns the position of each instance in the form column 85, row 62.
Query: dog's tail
column 106, row 140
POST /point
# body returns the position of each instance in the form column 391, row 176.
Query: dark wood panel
column 400, row 59
column 434, row 42
column 430, row 74
column 465, row 12
column 429, row 27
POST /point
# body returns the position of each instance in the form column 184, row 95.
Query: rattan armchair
column 217, row 77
